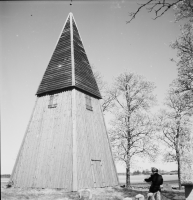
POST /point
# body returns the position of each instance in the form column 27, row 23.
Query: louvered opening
column 88, row 102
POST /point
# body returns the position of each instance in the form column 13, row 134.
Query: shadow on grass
column 129, row 192
column 165, row 195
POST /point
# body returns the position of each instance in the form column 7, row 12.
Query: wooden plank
column 39, row 158
column 116, row 180
column 74, row 139
column 45, row 148
column 48, row 148
column 22, row 144
column 24, row 157
column 67, row 164
column 92, row 144
column 34, row 146
column 39, row 164
column 72, row 50
column 84, row 159
column 84, row 165
column 42, row 122
column 55, row 144
column 63, row 144
column 50, row 160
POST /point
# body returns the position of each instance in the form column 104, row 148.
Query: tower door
column 97, row 172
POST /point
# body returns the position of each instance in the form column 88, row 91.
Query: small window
column 88, row 102
column 53, row 101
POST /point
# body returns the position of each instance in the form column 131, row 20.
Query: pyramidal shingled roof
column 69, row 65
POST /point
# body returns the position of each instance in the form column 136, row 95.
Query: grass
column 109, row 193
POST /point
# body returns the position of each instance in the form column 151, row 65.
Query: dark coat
column 156, row 180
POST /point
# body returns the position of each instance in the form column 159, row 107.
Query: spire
column 69, row 65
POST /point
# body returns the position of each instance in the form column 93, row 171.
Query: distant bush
column 146, row 172
column 136, row 172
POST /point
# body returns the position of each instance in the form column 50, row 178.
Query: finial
column 70, row 5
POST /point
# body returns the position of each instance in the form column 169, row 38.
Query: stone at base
column 139, row 197
column 85, row 194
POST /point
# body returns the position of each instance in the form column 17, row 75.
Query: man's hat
column 153, row 169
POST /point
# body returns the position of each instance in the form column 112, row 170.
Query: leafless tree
column 184, row 8
column 107, row 97
column 132, row 128
column 174, row 123
column 184, row 47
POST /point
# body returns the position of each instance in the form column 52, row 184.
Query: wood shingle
column 58, row 74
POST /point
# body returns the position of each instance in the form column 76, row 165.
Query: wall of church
column 45, row 157
column 94, row 159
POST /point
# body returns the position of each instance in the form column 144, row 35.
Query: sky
column 29, row 32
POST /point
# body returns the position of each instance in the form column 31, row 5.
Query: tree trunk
column 178, row 156
column 179, row 166
column 128, row 182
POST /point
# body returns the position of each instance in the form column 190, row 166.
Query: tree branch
column 162, row 8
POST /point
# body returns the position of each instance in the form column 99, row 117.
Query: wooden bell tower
column 66, row 143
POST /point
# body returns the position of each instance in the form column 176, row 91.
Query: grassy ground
column 115, row 193
column 110, row 193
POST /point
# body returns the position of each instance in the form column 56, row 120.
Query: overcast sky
column 29, row 34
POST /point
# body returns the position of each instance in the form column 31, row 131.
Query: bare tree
column 184, row 8
column 184, row 47
column 107, row 101
column 174, row 124
column 132, row 128
column 99, row 79
column 184, row 44
column 107, row 97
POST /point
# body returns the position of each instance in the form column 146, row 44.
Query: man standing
column 156, row 180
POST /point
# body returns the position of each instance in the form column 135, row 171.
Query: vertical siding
column 45, row 160
column 93, row 144
column 108, row 167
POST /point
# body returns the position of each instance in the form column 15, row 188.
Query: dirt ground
column 110, row 193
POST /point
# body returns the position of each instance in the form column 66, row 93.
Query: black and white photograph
column 96, row 99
